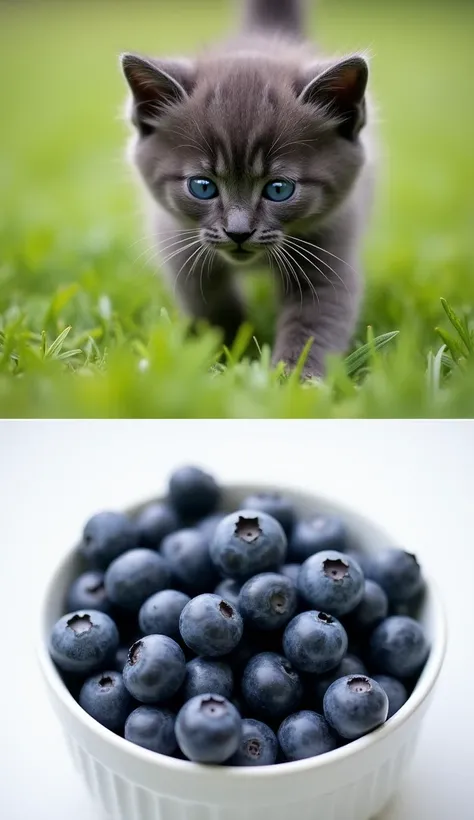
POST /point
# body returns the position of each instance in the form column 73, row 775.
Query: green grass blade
column 433, row 372
column 241, row 342
column 360, row 357
column 451, row 343
column 458, row 325
column 56, row 346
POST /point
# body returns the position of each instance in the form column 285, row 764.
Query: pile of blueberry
column 248, row 638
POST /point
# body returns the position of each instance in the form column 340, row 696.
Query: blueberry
column 187, row 554
column 206, row 675
column 134, row 576
column 398, row 646
column 208, row 729
column 193, row 493
column 106, row 536
column 397, row 572
column 81, row 642
column 372, row 609
column 88, row 592
column 208, row 525
column 258, row 745
column 160, row 613
column 121, row 658
column 322, row 532
column 247, row 542
column 306, row 734
column 106, row 699
column 395, row 691
column 355, row 705
column 331, row 582
column 273, row 504
column 155, row 669
column 230, row 590
column 268, row 601
column 153, row 729
column 153, row 523
column 315, row 642
column 211, row 626
column 270, row 685
column 350, row 665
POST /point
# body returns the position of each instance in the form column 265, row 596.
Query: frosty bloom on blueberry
column 323, row 532
column 106, row 536
column 188, row 634
column 246, row 543
column 82, row 641
column 315, row 642
column 355, row 705
column 107, row 700
column 193, row 493
column 210, row 626
column 332, row 582
column 134, row 576
column 208, row 729
column 155, row 669
column 267, row 601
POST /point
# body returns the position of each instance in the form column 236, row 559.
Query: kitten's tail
column 287, row 16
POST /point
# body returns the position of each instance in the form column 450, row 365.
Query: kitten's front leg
column 327, row 315
column 207, row 291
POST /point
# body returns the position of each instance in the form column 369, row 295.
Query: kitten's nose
column 239, row 237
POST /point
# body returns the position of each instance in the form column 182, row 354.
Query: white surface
column 415, row 479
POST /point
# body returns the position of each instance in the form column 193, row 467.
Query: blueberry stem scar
column 359, row 684
column 80, row 624
column 337, row 570
column 248, row 529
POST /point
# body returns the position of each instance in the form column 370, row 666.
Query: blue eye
column 279, row 190
column 202, row 188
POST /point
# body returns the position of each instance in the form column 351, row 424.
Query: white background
column 416, row 479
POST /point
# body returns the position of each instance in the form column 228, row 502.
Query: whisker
column 298, row 250
column 169, row 244
column 196, row 260
column 312, row 289
column 180, row 250
column 318, row 248
column 157, row 250
column 282, row 271
column 152, row 234
column 186, row 261
column 313, row 255
column 211, row 261
column 287, row 261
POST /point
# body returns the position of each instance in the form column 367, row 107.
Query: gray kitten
column 258, row 152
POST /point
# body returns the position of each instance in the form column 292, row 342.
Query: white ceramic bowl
column 351, row 783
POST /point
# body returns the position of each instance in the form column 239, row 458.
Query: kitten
column 258, row 152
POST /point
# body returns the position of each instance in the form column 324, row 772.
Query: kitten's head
column 246, row 148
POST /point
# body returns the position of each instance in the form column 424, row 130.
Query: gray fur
column 258, row 108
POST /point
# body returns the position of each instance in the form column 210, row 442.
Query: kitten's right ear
column 155, row 85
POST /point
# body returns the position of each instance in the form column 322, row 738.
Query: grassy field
column 86, row 328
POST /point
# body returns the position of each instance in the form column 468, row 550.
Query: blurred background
column 72, row 245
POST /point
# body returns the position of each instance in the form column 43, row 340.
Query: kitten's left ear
column 155, row 85
column 341, row 90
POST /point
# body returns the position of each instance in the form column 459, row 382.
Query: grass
column 86, row 327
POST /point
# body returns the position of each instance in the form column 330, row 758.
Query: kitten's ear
column 341, row 90
column 155, row 85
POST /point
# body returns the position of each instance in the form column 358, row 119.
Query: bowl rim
column 422, row 690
